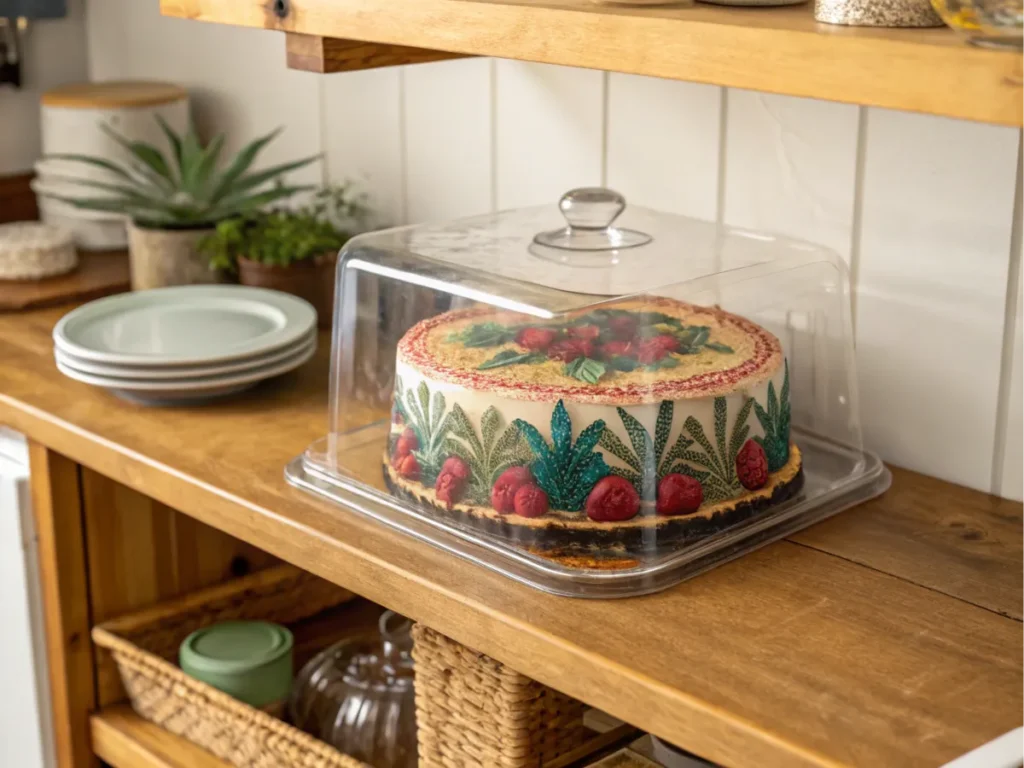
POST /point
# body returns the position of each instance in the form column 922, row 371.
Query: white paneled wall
column 921, row 207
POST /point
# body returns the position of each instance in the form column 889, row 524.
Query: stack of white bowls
column 71, row 120
column 185, row 344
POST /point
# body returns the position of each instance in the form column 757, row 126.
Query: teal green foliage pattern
column 647, row 462
column 427, row 418
column 487, row 457
column 565, row 472
column 775, row 423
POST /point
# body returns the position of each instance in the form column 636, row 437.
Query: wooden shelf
column 887, row 635
column 124, row 740
column 778, row 50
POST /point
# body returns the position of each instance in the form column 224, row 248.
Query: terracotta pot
column 163, row 257
column 311, row 279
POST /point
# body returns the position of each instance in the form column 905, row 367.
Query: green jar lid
column 250, row 660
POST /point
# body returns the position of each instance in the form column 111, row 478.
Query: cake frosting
column 631, row 426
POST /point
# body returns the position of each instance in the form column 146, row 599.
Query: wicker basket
column 144, row 646
column 474, row 711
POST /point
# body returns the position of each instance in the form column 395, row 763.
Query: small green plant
column 282, row 237
column 775, row 423
column 428, row 420
column 565, row 472
column 190, row 187
column 489, row 457
column 648, row 461
column 720, row 480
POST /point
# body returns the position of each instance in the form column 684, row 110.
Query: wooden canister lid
column 113, row 93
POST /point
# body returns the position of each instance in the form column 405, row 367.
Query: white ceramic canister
column 72, row 116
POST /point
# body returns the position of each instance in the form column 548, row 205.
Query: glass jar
column 357, row 695
column 989, row 23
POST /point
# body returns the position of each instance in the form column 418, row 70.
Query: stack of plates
column 184, row 344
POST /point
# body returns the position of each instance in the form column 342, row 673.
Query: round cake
column 625, row 428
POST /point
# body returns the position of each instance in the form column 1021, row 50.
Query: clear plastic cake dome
column 594, row 399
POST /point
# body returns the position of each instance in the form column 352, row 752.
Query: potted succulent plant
column 289, row 250
column 174, row 202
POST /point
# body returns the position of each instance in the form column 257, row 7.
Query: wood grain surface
column 778, row 50
column 99, row 273
column 57, row 511
column 123, row 739
column 314, row 53
column 841, row 647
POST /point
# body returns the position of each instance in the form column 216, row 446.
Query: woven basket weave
column 143, row 646
column 474, row 711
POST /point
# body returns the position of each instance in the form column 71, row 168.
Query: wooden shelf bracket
column 315, row 53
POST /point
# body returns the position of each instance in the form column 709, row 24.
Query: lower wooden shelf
column 124, row 740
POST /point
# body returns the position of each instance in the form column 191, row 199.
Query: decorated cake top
column 631, row 351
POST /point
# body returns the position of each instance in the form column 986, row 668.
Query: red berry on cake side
column 617, row 349
column 449, row 488
column 407, row 443
column 752, row 466
column 504, row 491
column 535, row 339
column 457, row 466
column 585, row 332
column 613, row 499
column 679, row 494
column 568, row 350
column 408, row 467
column 530, row 501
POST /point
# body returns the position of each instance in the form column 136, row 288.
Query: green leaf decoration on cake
column 484, row 335
column 775, row 423
column 511, row 357
column 487, row 457
column 716, row 465
column 428, row 420
column 565, row 472
column 585, row 369
column 647, row 461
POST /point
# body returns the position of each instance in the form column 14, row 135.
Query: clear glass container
column 357, row 695
column 594, row 400
column 989, row 23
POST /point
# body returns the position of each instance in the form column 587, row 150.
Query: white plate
column 182, row 372
column 187, row 391
column 185, row 325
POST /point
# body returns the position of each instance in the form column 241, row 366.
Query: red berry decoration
column 407, row 443
column 568, row 350
column 449, row 488
column 617, row 349
column 535, row 339
column 530, row 501
column 409, row 468
column 679, row 494
column 650, row 351
column 752, row 466
column 613, row 498
column 456, row 466
column 623, row 327
column 585, row 332
column 667, row 341
column 505, row 487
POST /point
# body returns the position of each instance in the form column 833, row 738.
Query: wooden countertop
column 888, row 635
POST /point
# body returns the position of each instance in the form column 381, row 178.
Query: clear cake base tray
column 836, row 477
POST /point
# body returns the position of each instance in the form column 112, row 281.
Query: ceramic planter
column 311, row 279
column 164, row 257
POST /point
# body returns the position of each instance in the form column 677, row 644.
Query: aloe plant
column 487, row 458
column 187, row 188
column 565, row 472
column 775, row 423
column 648, row 461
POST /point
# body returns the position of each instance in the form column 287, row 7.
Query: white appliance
column 26, row 729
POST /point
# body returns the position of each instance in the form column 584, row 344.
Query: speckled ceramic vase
column 164, row 257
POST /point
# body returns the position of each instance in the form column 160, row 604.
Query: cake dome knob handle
column 591, row 207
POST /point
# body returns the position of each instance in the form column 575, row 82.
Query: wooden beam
column 57, row 509
column 315, row 53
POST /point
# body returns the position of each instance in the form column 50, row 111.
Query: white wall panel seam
column 605, row 79
column 321, row 108
column 403, row 150
column 1009, row 333
column 493, row 117
column 858, row 213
